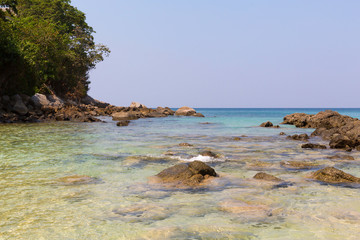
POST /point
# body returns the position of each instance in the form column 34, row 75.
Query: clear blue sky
column 227, row 53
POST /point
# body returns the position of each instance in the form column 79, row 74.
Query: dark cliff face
column 342, row 131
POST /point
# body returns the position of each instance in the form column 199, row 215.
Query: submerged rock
column 185, row 145
column 208, row 153
column 77, row 179
column 341, row 157
column 301, row 137
column 334, row 175
column 313, row 146
column 267, row 177
column 298, row 165
column 123, row 123
column 252, row 211
column 282, row 133
column 187, row 111
column 236, row 138
column 143, row 212
column 190, row 174
column 267, row 124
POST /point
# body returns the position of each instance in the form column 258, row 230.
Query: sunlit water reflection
column 121, row 204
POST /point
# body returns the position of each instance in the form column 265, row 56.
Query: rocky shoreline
column 21, row 108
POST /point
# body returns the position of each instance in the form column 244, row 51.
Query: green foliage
column 52, row 43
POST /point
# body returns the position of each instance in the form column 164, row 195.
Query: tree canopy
column 46, row 45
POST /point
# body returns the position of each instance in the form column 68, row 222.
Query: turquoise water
column 122, row 202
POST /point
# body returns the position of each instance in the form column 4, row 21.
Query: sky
column 227, row 53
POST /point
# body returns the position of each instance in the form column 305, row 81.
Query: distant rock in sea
column 187, row 111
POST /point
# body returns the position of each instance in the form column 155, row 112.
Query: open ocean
column 123, row 204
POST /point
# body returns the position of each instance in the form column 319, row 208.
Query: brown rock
column 298, row 165
column 190, row 174
column 341, row 157
column 77, row 179
column 313, row 146
column 301, row 137
column 123, row 123
column 282, row 133
column 236, row 138
column 186, row 111
column 124, row 116
column 333, row 175
column 342, row 131
column 209, row 154
column 266, row 124
column 185, row 145
column 267, row 177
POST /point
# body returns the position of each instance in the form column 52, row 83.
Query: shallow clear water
column 123, row 204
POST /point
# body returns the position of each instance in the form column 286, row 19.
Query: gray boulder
column 40, row 100
column 20, row 107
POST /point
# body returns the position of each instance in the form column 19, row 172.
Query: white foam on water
column 201, row 158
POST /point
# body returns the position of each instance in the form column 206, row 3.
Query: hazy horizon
column 227, row 54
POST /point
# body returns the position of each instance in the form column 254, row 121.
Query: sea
column 120, row 201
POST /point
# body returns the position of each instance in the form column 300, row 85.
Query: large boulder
column 165, row 111
column 20, row 107
column 189, row 174
column 55, row 101
column 334, row 175
column 91, row 101
column 40, row 100
column 187, row 111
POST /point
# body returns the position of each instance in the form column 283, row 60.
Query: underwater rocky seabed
column 119, row 202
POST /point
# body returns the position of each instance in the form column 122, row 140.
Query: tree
column 55, row 45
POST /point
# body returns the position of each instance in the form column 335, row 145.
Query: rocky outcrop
column 313, row 146
column 267, row 177
column 301, row 137
column 334, row 175
column 187, row 111
column 189, row 174
column 343, row 132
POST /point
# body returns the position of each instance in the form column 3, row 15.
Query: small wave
column 201, row 158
